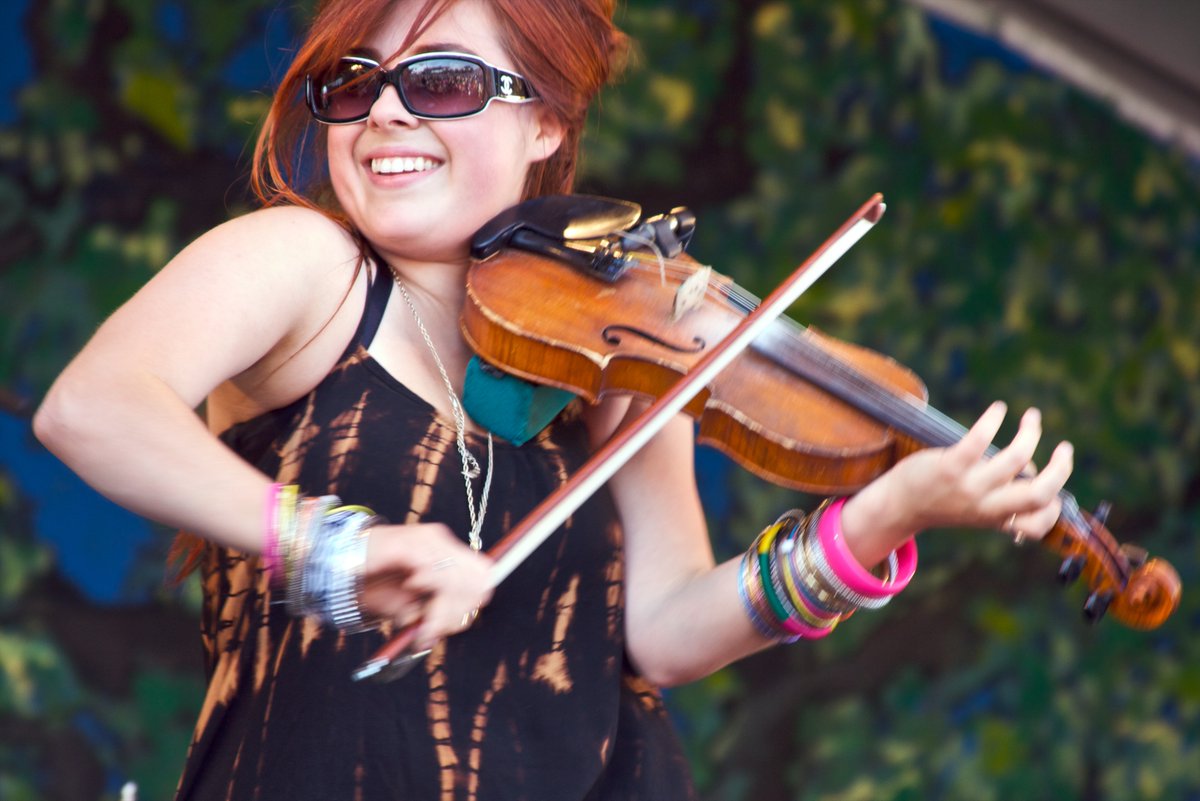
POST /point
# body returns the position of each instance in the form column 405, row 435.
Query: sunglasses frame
column 499, row 84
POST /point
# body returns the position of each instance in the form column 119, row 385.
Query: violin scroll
column 1139, row 592
column 1151, row 594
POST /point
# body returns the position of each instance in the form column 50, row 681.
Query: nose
column 389, row 109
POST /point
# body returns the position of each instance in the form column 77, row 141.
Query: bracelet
column 759, row 597
column 805, row 605
column 799, row 580
column 315, row 550
column 270, row 554
column 847, row 569
column 752, row 609
column 775, row 594
column 286, row 500
column 810, row 612
column 311, row 513
column 831, row 590
column 332, row 577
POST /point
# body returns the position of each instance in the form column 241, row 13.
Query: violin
column 567, row 292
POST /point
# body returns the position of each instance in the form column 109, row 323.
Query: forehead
column 465, row 26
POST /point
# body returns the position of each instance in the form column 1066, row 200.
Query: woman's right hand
column 424, row 575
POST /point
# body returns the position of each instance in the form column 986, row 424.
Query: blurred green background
column 1036, row 249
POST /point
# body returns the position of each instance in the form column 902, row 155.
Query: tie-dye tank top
column 536, row 701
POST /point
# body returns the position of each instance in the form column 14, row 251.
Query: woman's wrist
column 874, row 524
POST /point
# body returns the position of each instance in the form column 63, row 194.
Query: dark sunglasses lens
column 347, row 91
column 444, row 87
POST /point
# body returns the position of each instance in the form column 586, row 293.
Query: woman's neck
column 439, row 286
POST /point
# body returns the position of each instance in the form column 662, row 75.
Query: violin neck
column 785, row 344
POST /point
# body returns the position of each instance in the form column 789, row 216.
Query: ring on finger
column 1010, row 526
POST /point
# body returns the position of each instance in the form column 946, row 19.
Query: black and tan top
column 535, row 701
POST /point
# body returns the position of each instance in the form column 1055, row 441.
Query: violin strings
column 677, row 268
column 925, row 423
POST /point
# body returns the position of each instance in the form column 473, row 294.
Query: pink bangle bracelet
column 848, row 569
column 794, row 626
column 270, row 554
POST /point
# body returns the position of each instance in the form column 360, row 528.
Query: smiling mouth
column 401, row 164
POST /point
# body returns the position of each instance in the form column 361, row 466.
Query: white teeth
column 399, row 164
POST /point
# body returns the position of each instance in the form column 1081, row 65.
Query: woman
column 321, row 335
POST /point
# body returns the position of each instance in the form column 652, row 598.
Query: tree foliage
column 1035, row 249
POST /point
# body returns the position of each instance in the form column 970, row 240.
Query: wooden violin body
column 595, row 339
column 800, row 409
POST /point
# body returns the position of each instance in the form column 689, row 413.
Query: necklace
column 470, row 465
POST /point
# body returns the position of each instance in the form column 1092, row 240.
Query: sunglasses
column 432, row 86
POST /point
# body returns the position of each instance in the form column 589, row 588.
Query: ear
column 548, row 135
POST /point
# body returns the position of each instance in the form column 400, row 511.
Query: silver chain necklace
column 470, row 465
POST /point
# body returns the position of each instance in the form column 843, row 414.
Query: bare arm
column 235, row 304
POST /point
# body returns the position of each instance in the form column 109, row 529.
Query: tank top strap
column 378, row 293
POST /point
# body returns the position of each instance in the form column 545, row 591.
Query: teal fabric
column 510, row 407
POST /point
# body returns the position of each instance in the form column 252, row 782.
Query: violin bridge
column 690, row 293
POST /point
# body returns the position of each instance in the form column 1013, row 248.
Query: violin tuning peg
column 1070, row 569
column 1096, row 605
column 1101, row 513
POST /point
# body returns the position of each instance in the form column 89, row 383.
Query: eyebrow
column 427, row 47
column 447, row 47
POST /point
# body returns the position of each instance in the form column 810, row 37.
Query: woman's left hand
column 960, row 486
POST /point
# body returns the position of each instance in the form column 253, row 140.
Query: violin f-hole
column 612, row 335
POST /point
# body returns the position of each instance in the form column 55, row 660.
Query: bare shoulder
column 271, row 273
column 259, row 305
column 284, row 237
column 298, row 276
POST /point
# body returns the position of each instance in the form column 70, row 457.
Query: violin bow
column 393, row 659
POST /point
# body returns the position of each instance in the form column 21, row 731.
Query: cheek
column 497, row 164
column 339, row 154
